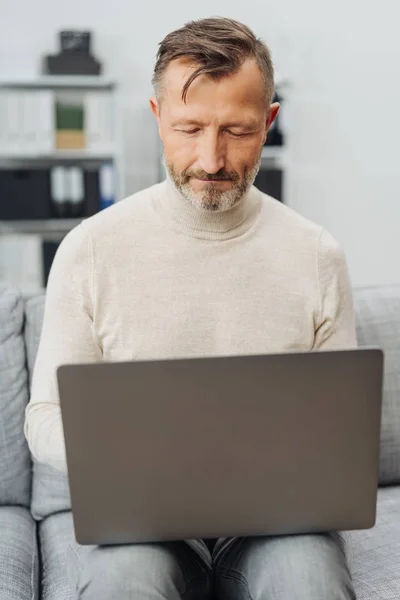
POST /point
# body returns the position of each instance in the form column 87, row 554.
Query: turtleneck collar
column 188, row 219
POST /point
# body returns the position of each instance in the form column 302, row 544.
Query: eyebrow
column 248, row 124
column 186, row 122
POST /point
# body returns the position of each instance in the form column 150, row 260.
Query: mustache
column 221, row 175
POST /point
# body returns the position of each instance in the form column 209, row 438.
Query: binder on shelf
column 92, row 191
column 26, row 123
column 107, row 123
column 59, row 191
column 76, row 191
column 29, row 122
column 45, row 122
column 3, row 123
column 92, row 119
column 98, row 121
column 13, row 118
column 107, row 186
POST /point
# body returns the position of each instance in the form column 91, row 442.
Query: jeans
column 306, row 567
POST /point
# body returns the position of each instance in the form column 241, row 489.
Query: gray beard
column 212, row 200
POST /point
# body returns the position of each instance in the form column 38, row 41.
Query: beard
column 211, row 198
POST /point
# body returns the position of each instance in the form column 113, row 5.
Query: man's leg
column 170, row 571
column 307, row 567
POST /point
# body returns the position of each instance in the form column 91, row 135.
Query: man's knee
column 146, row 571
column 294, row 567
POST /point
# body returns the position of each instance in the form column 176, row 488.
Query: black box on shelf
column 73, row 40
column 75, row 57
column 270, row 181
column 71, row 63
column 92, row 192
column 24, row 194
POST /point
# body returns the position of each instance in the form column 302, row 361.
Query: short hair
column 219, row 46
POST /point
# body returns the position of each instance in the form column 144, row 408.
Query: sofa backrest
column 378, row 324
column 50, row 491
column 15, row 460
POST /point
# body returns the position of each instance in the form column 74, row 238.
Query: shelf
column 60, row 155
column 272, row 151
column 45, row 226
column 273, row 155
column 58, row 81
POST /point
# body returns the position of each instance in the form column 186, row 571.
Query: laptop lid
column 220, row 447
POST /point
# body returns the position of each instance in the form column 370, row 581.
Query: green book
column 69, row 117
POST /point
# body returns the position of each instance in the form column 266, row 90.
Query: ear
column 155, row 109
column 271, row 116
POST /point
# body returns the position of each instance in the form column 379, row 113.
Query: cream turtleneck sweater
column 153, row 277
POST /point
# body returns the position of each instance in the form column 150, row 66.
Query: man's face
column 212, row 144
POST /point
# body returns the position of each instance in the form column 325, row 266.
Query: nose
column 211, row 157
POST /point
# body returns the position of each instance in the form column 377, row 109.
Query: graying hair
column 219, row 46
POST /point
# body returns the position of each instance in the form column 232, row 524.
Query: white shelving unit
column 45, row 227
column 59, row 155
column 80, row 83
column 23, row 158
column 58, row 81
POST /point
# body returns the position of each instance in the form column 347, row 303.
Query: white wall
column 342, row 58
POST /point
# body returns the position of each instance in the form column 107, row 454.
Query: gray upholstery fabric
column 50, row 493
column 374, row 555
column 18, row 554
column 15, row 461
column 56, row 533
column 378, row 324
column 34, row 312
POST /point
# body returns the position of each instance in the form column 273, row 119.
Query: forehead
column 239, row 93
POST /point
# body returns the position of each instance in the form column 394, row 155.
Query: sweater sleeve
column 335, row 326
column 67, row 337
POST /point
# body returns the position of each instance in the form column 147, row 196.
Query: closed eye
column 189, row 131
column 197, row 129
column 238, row 135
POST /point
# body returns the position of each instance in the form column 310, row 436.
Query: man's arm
column 335, row 325
column 67, row 337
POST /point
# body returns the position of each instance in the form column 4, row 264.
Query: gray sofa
column 35, row 521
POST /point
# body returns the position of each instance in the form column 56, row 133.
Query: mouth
column 211, row 180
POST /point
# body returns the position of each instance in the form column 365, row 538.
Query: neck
column 204, row 223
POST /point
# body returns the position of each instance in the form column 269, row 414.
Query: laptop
column 219, row 447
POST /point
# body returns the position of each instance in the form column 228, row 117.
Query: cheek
column 179, row 151
column 244, row 154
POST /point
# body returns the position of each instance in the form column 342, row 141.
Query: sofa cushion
column 56, row 535
column 18, row 554
column 15, row 461
column 50, row 492
column 378, row 324
column 374, row 554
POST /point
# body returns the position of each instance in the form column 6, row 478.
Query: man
column 200, row 265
